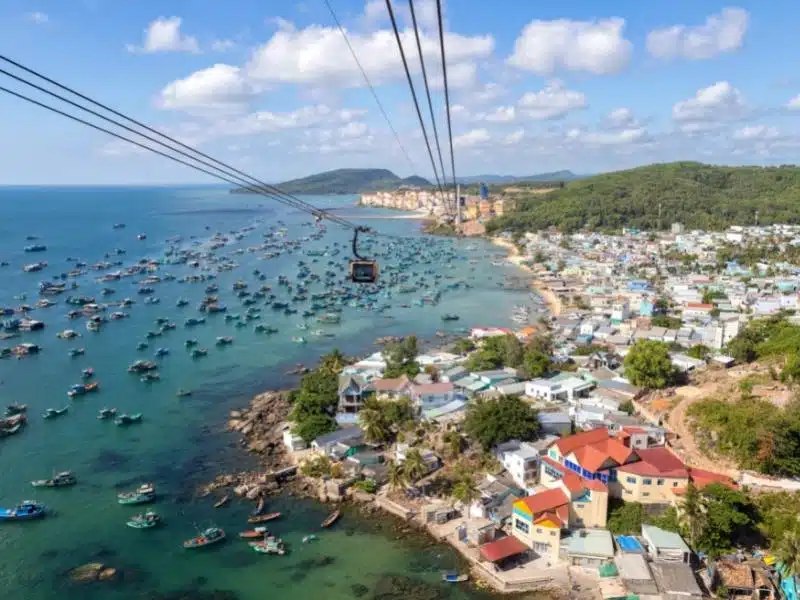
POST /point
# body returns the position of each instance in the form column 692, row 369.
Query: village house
column 354, row 390
column 432, row 395
column 392, row 389
column 564, row 387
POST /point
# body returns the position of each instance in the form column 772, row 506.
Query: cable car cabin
column 363, row 271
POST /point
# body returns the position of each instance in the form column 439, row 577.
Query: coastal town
column 561, row 456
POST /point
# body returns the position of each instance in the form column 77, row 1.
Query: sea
column 181, row 442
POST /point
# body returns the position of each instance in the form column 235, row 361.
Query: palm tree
column 395, row 475
column 374, row 425
column 466, row 492
column 788, row 550
column 414, row 466
column 692, row 512
column 333, row 362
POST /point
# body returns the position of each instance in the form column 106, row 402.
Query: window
column 660, row 482
column 553, row 532
column 645, row 493
column 674, row 484
column 522, row 526
column 630, row 479
column 647, row 481
column 628, row 492
column 577, row 506
column 538, row 530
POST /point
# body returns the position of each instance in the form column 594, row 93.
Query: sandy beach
column 551, row 299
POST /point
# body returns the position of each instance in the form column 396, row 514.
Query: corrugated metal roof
column 591, row 542
column 664, row 540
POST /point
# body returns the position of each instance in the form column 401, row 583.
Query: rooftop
column 676, row 578
column 633, row 567
column 502, row 548
column 591, row 542
column 664, row 540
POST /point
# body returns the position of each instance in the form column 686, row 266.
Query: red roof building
column 503, row 548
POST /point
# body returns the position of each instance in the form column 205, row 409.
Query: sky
column 272, row 88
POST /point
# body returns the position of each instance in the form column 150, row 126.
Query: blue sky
column 272, row 88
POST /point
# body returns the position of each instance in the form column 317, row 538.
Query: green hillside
column 347, row 181
column 697, row 195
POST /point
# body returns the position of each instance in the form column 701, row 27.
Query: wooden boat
column 142, row 495
column 124, row 420
column 258, row 532
column 52, row 413
column 263, row 518
column 183, row 393
column 450, row 317
column 453, row 577
column 260, row 506
column 16, row 409
column 146, row 520
column 63, row 479
column 209, row 536
column 269, row 545
column 24, row 511
column 222, row 502
column 106, row 413
column 332, row 518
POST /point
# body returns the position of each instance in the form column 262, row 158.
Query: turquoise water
column 182, row 442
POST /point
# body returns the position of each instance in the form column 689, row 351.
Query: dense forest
column 697, row 195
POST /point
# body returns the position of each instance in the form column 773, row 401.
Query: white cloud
column 218, row 88
column 622, row 137
column 794, row 103
column 461, row 75
column 757, row 132
column 501, row 114
column 319, row 56
column 269, row 122
column 472, row 138
column 721, row 33
column 597, row 47
column 718, row 102
column 39, row 18
column 514, row 138
column 374, row 14
column 354, row 129
column 222, row 45
column 164, row 35
column 553, row 102
column 487, row 93
column 621, row 118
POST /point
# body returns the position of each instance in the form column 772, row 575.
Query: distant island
column 347, row 181
column 697, row 195
column 506, row 179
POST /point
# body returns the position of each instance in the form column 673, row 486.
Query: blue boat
column 24, row 511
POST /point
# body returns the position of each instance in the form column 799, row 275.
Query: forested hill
column 348, row 181
column 697, row 195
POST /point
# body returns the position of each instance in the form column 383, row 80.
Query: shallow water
column 181, row 442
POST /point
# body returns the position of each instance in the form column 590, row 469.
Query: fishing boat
column 256, row 532
column 24, row 511
column 52, row 413
column 16, row 409
column 80, row 389
column 329, row 318
column 269, row 545
column 87, row 373
column 309, row 538
column 106, row 413
column 454, row 577
column 183, row 393
column 263, row 518
column 222, row 502
column 224, row 340
column 142, row 495
column 63, row 479
column 146, row 520
column 198, row 352
column 450, row 317
column 161, row 352
column 190, row 343
column 141, row 346
column 150, row 377
column 124, row 420
column 332, row 518
column 298, row 339
column 181, row 302
column 211, row 535
column 74, row 352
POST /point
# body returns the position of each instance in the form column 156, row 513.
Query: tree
column 466, row 492
column 373, row 423
column 627, row 406
column 454, row 443
column 414, row 465
column 492, row 422
column 788, row 550
column 401, row 358
column 333, row 362
column 396, row 413
column 699, row 351
column 625, row 517
column 463, row 346
column 648, row 364
column 432, row 371
column 395, row 475
column 312, row 426
column 692, row 512
column 728, row 519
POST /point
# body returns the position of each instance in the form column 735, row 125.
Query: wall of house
column 546, row 540
column 647, row 490
column 589, row 512
column 522, row 527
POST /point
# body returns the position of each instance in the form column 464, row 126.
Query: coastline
column 551, row 298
